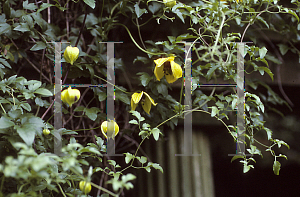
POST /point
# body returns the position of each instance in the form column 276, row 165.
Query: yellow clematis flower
column 168, row 68
column 108, row 128
column 71, row 54
column 146, row 101
column 70, row 96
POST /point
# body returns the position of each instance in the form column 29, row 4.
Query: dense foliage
column 154, row 34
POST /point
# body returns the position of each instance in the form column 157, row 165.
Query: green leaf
column 44, row 92
column 29, row 6
column 237, row 157
column 214, row 111
column 27, row 130
column 262, row 52
column 139, row 12
column 283, row 48
column 263, row 69
column 128, row 157
column 276, row 167
column 26, row 106
column 38, row 46
column 44, row 6
column 156, row 166
column 137, row 115
column 145, row 78
column 101, row 96
column 4, row 28
column 154, row 7
column 4, row 62
column 261, row 19
column 269, row 132
column 246, row 168
column 292, row 13
column 90, row 3
column 5, row 123
column 92, row 113
column 122, row 97
column 162, row 89
column 143, row 159
column 155, row 131
column 23, row 27
column 133, row 122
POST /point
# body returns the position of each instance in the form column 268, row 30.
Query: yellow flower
column 169, row 3
column 85, row 187
column 71, row 54
column 70, row 96
column 108, row 128
column 168, row 68
column 146, row 101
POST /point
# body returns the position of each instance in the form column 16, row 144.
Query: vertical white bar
column 57, row 103
column 241, row 99
column 188, row 133
column 110, row 97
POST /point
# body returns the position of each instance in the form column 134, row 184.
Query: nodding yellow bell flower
column 71, row 54
column 169, row 3
column 70, row 96
column 108, row 128
column 168, row 68
column 146, row 101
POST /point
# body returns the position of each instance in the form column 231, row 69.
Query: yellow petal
column 150, row 99
column 72, row 96
column 136, row 97
column 161, row 61
column 159, row 72
column 176, row 70
column 170, row 78
column 147, row 106
column 109, row 129
column 71, row 54
column 133, row 105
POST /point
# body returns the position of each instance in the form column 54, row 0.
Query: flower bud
column 71, row 54
column 108, row 128
column 85, row 187
column 169, row 3
column 70, row 96
column 46, row 131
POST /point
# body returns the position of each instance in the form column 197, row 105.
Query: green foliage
column 212, row 28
